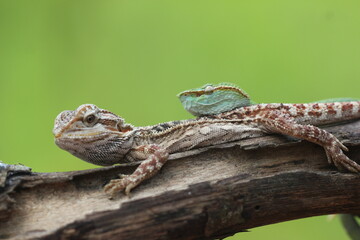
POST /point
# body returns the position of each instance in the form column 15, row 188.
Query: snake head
column 92, row 134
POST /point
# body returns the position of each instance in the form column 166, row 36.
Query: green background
column 132, row 57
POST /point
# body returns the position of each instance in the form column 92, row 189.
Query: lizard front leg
column 156, row 157
column 277, row 121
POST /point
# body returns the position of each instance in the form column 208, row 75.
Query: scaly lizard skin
column 103, row 138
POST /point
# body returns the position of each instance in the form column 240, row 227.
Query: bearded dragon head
column 213, row 99
column 93, row 134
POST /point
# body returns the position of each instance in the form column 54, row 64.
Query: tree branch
column 203, row 194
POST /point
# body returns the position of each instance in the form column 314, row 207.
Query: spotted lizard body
column 103, row 138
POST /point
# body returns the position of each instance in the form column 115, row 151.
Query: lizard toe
column 114, row 186
column 352, row 166
column 346, row 163
column 342, row 146
column 329, row 158
column 128, row 188
column 122, row 175
column 336, row 156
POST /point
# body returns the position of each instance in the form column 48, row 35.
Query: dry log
column 201, row 194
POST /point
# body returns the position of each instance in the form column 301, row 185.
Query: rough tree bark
column 203, row 194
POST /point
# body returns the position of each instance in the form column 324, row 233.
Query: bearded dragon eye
column 90, row 119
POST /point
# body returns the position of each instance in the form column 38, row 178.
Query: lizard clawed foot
column 117, row 185
column 339, row 159
column 156, row 159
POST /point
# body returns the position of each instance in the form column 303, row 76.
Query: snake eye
column 90, row 119
column 209, row 89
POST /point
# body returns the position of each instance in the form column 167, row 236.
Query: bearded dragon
column 101, row 137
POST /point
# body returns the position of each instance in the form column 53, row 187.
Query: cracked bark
column 201, row 194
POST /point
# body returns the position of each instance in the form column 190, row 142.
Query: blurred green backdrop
column 132, row 57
